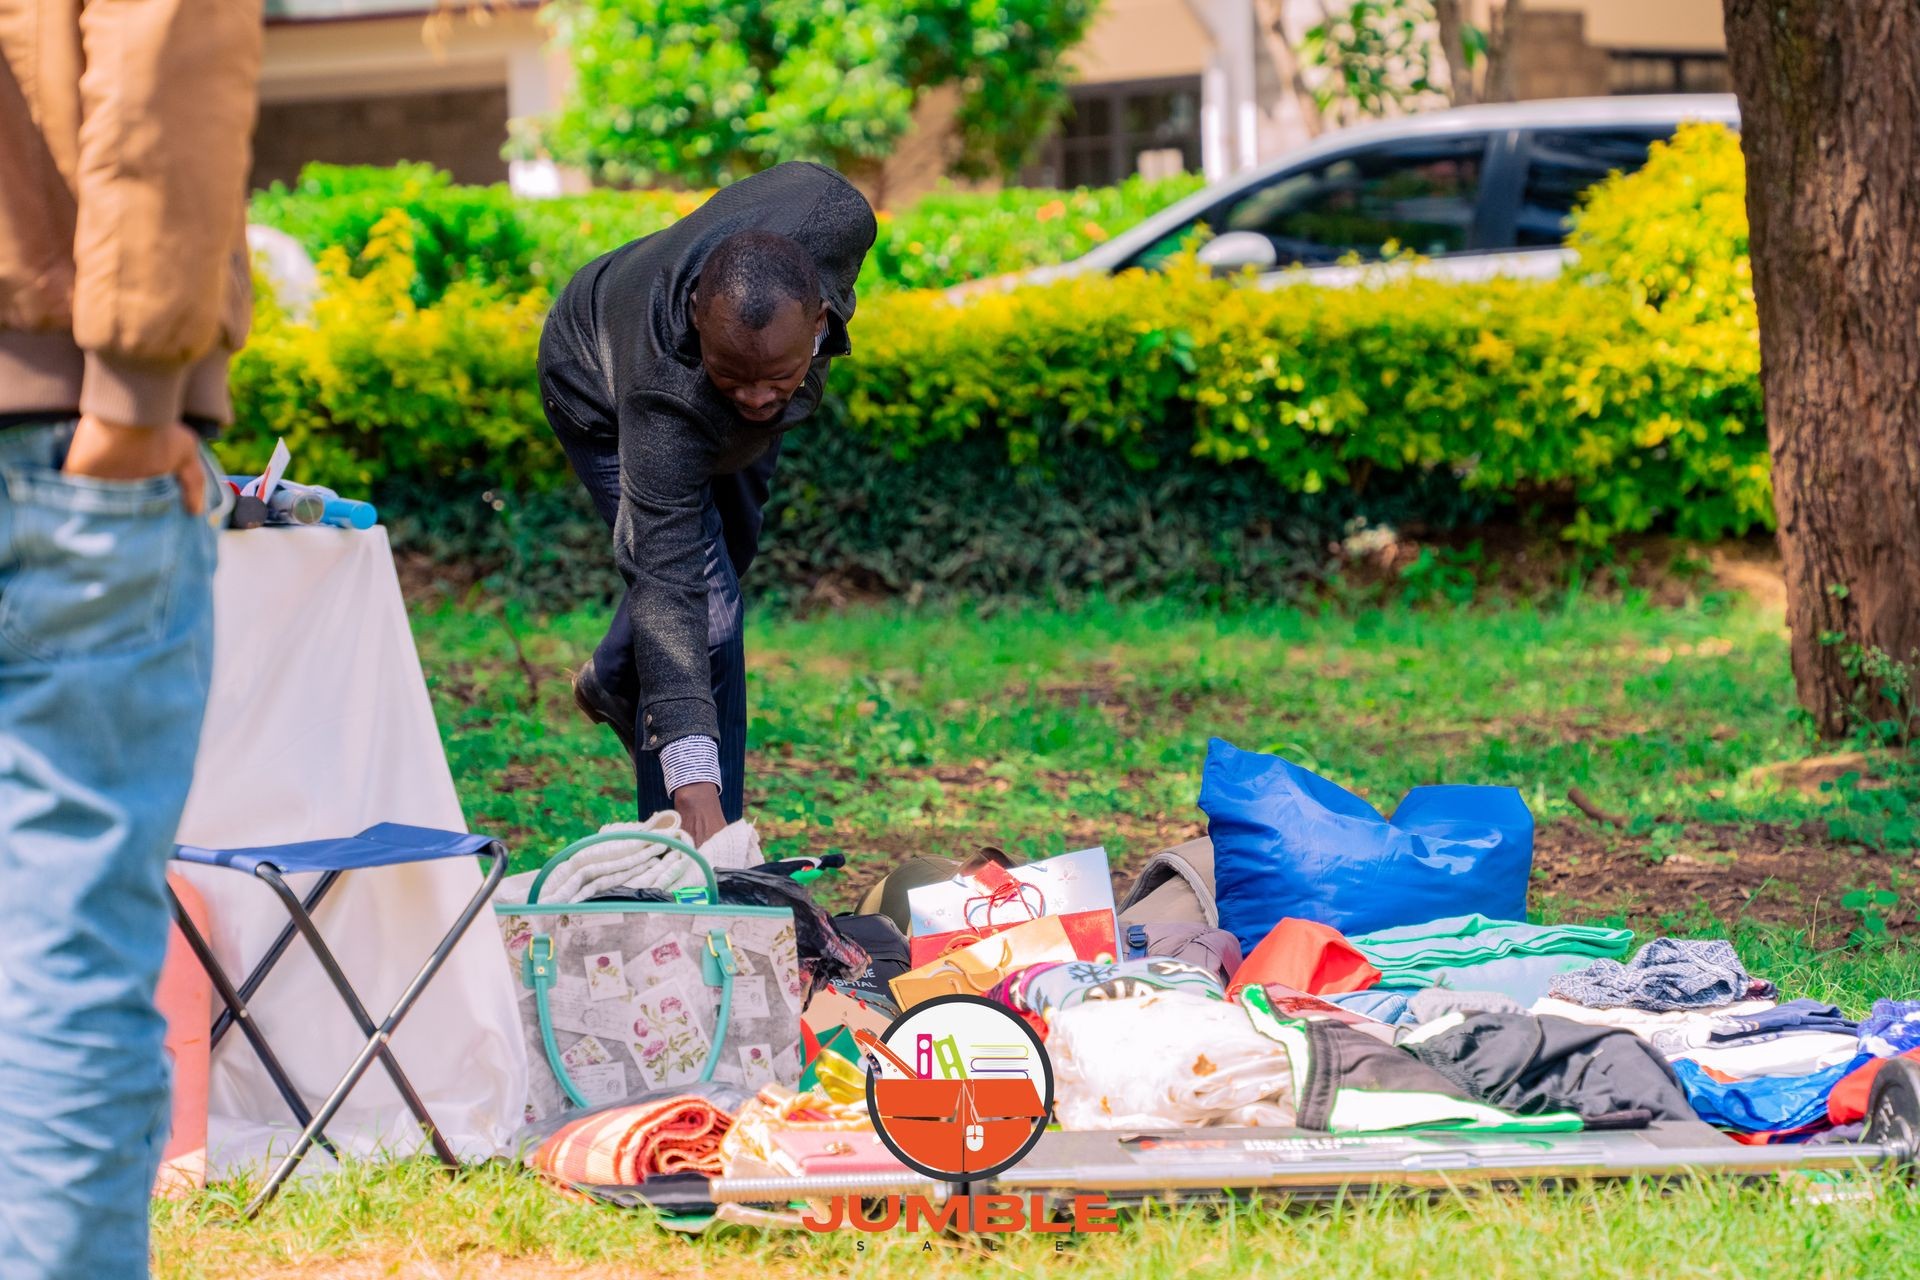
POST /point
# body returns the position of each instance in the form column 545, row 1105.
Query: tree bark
column 1500, row 64
column 1272, row 22
column 1830, row 123
column 1453, row 45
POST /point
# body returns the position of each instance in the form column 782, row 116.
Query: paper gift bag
column 975, row 969
column 989, row 896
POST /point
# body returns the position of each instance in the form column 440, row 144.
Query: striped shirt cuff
column 688, row 760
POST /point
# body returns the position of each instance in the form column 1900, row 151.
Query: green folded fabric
column 1425, row 955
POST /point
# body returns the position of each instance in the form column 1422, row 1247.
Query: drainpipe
column 1215, row 111
column 1229, row 89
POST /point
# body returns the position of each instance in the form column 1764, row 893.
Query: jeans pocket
column 94, row 568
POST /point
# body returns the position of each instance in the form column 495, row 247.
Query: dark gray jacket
column 620, row 355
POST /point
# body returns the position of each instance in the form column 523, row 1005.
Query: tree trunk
column 1272, row 22
column 1453, row 44
column 1504, row 31
column 1830, row 109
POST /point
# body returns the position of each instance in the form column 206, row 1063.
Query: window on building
column 1563, row 164
column 1113, row 131
column 1657, row 71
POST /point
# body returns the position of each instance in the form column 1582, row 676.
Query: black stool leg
column 249, row 987
column 331, row 967
column 379, row 1037
column 237, row 1006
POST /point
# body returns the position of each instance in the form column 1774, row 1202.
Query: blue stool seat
column 388, row 844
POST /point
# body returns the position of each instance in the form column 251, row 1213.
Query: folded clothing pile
column 627, row 1143
column 1665, row 975
column 1474, row 953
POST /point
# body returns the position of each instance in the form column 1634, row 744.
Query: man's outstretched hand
column 698, row 805
column 105, row 450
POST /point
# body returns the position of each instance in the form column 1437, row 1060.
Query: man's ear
column 820, row 325
column 693, row 309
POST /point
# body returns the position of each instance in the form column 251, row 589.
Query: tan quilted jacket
column 124, row 148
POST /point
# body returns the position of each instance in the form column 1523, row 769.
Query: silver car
column 1476, row 191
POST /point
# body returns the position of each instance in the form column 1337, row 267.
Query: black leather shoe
column 601, row 706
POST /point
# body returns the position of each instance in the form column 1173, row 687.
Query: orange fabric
column 185, row 999
column 1848, row 1101
column 1308, row 957
column 625, row 1145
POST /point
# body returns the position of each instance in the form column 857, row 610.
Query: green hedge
column 1168, row 432
column 487, row 235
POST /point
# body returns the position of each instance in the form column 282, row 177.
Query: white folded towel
column 644, row 863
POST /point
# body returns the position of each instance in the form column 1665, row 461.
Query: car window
column 1420, row 194
column 1563, row 165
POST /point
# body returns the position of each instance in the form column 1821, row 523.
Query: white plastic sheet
column 319, row 725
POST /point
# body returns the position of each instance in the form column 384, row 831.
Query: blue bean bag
column 1287, row 842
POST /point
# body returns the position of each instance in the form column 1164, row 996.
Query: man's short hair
column 753, row 272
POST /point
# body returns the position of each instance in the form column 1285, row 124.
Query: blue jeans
column 106, row 648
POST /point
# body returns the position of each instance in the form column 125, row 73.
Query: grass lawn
column 886, row 732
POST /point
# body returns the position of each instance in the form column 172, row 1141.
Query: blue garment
column 1762, row 1104
column 1524, row 979
column 1382, row 1004
column 106, row 646
column 1893, row 1027
column 1786, row 1019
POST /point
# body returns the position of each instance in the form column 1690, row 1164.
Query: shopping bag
column 989, row 896
column 1287, row 842
column 975, row 969
column 619, row 997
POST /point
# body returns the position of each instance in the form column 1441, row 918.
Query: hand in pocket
column 103, row 450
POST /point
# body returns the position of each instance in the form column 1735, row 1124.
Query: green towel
column 1425, row 955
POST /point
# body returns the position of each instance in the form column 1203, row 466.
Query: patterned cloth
column 1666, row 974
column 749, row 1149
column 1042, row 990
column 621, row 1146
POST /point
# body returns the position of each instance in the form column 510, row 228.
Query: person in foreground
column 670, row 369
column 124, row 133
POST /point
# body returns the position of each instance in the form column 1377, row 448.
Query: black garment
column 620, row 362
column 885, row 946
column 597, row 462
column 826, row 954
column 1527, row 1065
column 1342, row 1058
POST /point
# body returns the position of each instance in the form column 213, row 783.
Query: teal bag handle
column 719, row 966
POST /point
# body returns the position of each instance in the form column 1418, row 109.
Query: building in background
column 1205, row 82
column 1163, row 86
column 380, row 81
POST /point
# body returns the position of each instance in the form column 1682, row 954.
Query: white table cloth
column 319, row 725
